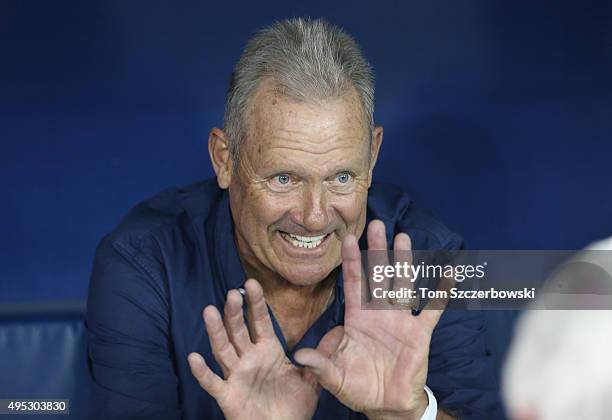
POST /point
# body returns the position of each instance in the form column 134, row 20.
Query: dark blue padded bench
column 43, row 354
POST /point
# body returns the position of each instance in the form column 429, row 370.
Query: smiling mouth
column 299, row 241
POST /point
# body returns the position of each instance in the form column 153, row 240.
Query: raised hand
column 377, row 362
column 260, row 381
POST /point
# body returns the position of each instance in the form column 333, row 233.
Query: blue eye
column 344, row 177
column 283, row 179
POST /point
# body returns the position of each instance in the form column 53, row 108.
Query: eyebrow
column 289, row 169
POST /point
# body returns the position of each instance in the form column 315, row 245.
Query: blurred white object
column 604, row 245
column 560, row 362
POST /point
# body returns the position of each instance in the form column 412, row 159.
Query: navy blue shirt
column 175, row 253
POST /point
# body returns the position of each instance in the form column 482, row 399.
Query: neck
column 296, row 308
column 288, row 300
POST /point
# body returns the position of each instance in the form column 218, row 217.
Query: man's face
column 301, row 184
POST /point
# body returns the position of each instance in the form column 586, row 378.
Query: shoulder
column 397, row 210
column 155, row 237
column 161, row 226
column 173, row 209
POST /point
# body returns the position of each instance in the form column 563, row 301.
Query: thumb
column 323, row 369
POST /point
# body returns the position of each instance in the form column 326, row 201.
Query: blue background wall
column 497, row 115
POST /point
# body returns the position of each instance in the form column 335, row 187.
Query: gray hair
column 307, row 60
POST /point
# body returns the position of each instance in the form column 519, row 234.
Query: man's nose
column 315, row 211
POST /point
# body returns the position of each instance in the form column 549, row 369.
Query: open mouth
column 299, row 241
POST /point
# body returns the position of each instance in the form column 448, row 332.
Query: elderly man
column 293, row 195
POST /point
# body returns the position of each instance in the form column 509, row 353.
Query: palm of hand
column 377, row 362
column 260, row 381
column 268, row 385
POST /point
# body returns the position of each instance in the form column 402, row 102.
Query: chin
column 307, row 276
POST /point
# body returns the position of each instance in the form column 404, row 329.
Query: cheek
column 262, row 207
column 352, row 207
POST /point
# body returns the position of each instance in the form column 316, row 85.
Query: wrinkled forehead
column 319, row 126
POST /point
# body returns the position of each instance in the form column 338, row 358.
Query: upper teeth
column 303, row 241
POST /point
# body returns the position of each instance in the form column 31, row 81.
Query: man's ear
column 377, row 138
column 218, row 149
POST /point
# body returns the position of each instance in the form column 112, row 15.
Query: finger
column 402, row 245
column 258, row 315
column 209, row 380
column 377, row 239
column 429, row 317
column 331, row 341
column 351, row 273
column 222, row 349
column 403, row 281
column 377, row 255
column 234, row 322
column 324, row 370
column 434, row 309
